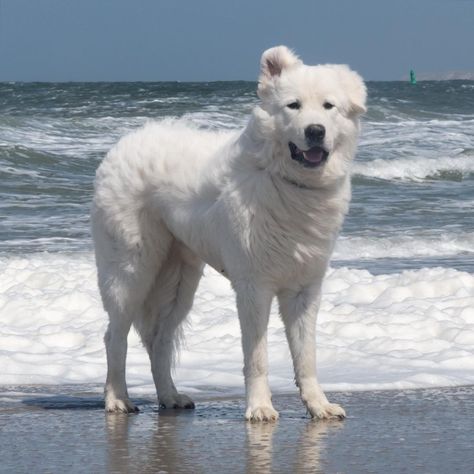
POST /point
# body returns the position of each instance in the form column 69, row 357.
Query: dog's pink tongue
column 315, row 155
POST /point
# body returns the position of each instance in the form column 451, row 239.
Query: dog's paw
column 176, row 400
column 324, row 411
column 115, row 405
column 261, row 413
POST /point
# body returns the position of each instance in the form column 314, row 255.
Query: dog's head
column 314, row 111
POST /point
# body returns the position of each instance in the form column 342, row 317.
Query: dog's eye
column 328, row 105
column 294, row 105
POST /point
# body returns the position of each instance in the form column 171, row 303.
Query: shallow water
column 58, row 429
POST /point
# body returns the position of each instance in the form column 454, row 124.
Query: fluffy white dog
column 263, row 207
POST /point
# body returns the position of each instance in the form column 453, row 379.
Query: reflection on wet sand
column 117, row 442
column 311, row 445
column 403, row 431
column 177, row 442
column 131, row 448
column 301, row 455
column 259, row 447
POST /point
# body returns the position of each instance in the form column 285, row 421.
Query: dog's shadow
column 64, row 402
column 71, row 402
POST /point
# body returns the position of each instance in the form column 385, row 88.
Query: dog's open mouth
column 311, row 158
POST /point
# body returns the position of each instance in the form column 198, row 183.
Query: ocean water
column 398, row 303
column 413, row 182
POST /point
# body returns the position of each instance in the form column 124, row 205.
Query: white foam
column 416, row 168
column 404, row 246
column 71, row 137
column 413, row 329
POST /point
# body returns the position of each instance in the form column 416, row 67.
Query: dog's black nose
column 314, row 133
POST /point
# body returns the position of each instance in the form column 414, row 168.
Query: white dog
column 263, row 207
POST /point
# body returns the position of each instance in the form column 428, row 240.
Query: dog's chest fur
column 286, row 232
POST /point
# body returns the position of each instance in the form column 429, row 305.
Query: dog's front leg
column 253, row 304
column 299, row 311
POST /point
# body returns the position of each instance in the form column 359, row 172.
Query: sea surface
column 413, row 177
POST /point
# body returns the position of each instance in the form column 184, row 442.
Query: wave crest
column 418, row 168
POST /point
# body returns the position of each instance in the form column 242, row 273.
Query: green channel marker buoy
column 412, row 77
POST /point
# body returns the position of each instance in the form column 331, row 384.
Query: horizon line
column 214, row 81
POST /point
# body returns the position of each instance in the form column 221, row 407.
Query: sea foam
column 427, row 244
column 416, row 169
column 411, row 329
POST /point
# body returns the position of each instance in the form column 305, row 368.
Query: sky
column 209, row 40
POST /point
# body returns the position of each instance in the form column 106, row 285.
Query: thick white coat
column 170, row 198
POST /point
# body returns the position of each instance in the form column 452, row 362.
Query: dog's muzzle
column 311, row 158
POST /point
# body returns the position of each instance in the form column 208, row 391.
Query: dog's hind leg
column 167, row 306
column 126, row 272
column 123, row 298
column 116, row 394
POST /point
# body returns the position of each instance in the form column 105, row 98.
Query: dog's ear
column 273, row 62
column 357, row 94
column 354, row 87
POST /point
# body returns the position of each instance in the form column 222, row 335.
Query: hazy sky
column 185, row 40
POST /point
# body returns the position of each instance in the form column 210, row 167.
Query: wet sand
column 64, row 429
